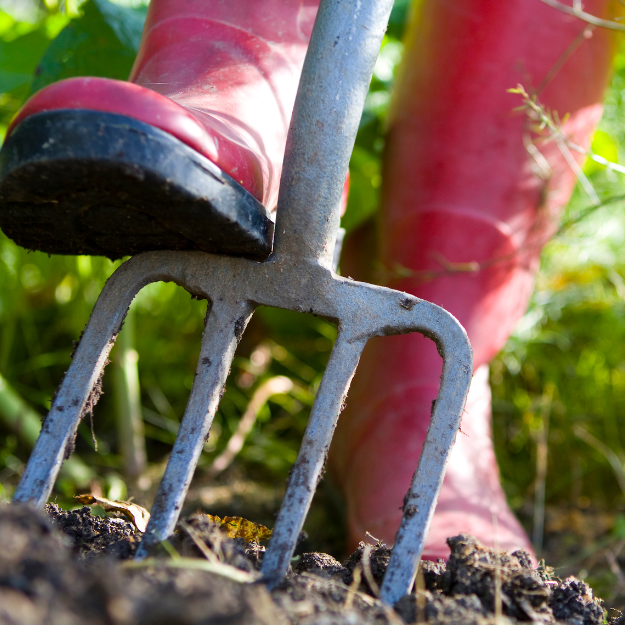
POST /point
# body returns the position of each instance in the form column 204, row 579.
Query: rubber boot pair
column 467, row 204
column 187, row 155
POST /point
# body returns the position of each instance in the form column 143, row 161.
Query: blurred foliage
column 21, row 47
column 561, row 376
column 565, row 364
column 103, row 41
column 571, row 340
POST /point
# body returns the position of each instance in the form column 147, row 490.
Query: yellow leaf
column 238, row 527
column 137, row 515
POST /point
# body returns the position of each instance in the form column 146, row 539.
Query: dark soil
column 71, row 567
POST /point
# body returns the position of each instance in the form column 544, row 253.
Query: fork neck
column 335, row 80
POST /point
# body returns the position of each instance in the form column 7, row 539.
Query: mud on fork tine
column 298, row 276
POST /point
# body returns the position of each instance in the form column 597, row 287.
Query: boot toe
column 88, row 182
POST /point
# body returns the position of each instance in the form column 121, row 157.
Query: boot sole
column 87, row 182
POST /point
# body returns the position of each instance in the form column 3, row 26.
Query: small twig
column 537, row 112
column 170, row 549
column 541, row 470
column 353, row 588
column 614, row 567
column 611, row 557
column 577, row 170
column 540, row 167
column 221, row 568
column 569, row 223
column 602, row 448
column 199, row 543
column 498, row 602
column 377, row 541
column 333, row 585
column 564, row 57
column 616, row 550
column 582, row 15
column 366, row 568
column 580, row 558
column 420, row 595
column 273, row 386
column 546, row 121
column 93, row 436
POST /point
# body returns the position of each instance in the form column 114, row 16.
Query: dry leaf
column 137, row 515
column 238, row 527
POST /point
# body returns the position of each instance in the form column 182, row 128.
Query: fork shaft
column 311, row 459
column 225, row 324
column 335, row 80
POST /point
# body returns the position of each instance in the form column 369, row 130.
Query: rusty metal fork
column 297, row 276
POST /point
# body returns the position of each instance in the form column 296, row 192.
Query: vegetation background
column 558, row 385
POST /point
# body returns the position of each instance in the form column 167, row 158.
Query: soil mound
column 67, row 567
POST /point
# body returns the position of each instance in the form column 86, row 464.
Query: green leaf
column 602, row 145
column 399, row 18
column 364, row 192
column 19, row 58
column 21, row 47
column 103, row 42
column 618, row 529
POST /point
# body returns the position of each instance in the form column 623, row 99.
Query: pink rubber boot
column 217, row 77
column 465, row 214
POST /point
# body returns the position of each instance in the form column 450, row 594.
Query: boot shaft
column 465, row 207
column 453, row 129
column 282, row 22
column 235, row 66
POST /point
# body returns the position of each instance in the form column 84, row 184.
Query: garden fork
column 297, row 276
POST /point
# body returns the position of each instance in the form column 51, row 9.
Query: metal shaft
column 311, row 459
column 225, row 324
column 335, row 80
column 420, row 501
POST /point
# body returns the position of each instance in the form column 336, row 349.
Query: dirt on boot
column 67, row 567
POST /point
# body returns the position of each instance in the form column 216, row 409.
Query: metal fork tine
column 311, row 459
column 225, row 323
column 68, row 405
column 420, row 501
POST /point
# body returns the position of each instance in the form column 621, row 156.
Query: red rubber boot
column 465, row 211
column 213, row 81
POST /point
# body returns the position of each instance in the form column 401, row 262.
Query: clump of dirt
column 93, row 535
column 75, row 569
column 45, row 581
column 310, row 599
column 367, row 559
column 40, row 581
column 478, row 582
column 320, row 564
column 572, row 601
